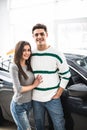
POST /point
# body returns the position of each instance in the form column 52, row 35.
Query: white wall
column 4, row 26
column 18, row 17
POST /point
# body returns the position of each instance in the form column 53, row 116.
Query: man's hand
column 59, row 93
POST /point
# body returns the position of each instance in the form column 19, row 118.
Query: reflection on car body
column 6, row 62
column 74, row 97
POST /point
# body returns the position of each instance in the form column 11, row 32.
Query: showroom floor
column 8, row 126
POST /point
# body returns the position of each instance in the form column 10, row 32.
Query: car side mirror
column 78, row 90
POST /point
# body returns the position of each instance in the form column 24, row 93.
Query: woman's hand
column 37, row 81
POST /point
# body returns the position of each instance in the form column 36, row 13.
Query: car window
column 5, row 63
column 82, row 62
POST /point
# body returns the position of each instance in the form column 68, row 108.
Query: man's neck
column 42, row 48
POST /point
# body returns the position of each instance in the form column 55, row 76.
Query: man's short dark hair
column 39, row 26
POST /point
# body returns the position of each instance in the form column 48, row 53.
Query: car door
column 74, row 101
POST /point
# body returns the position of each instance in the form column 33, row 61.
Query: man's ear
column 47, row 34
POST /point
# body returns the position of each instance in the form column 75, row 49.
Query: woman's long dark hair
column 18, row 55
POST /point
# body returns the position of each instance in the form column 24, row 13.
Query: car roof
column 74, row 56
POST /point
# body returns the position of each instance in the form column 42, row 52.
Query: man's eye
column 41, row 34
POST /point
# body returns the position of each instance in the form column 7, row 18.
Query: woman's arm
column 36, row 82
column 17, row 86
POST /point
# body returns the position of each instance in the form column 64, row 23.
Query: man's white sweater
column 54, row 69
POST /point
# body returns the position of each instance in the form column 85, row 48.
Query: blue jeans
column 55, row 111
column 20, row 113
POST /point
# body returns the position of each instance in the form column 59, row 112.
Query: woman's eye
column 29, row 50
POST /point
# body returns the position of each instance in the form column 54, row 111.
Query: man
column 54, row 69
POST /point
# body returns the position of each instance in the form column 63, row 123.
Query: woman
column 23, row 83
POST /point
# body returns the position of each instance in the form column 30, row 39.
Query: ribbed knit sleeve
column 63, row 71
column 15, row 79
